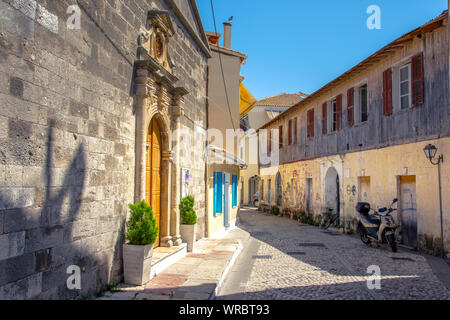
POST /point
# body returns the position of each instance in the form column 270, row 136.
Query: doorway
column 153, row 172
column 279, row 190
column 408, row 210
column 269, row 192
column 309, row 193
column 252, row 189
column 332, row 191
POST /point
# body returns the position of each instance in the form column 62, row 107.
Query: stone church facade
column 85, row 116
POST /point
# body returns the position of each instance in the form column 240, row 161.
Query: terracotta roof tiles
column 282, row 100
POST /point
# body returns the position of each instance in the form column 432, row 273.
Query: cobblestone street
column 285, row 260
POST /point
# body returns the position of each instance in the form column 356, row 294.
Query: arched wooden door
column 153, row 172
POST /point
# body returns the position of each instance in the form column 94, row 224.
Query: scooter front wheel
column 392, row 242
column 365, row 239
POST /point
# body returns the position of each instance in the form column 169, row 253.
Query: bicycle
column 329, row 219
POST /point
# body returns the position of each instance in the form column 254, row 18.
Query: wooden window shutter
column 310, row 123
column 351, row 107
column 387, row 92
column 280, row 137
column 234, row 191
column 295, row 131
column 290, row 132
column 339, row 112
column 324, row 118
column 417, row 80
column 270, row 141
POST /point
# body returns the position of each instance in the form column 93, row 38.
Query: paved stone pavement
column 194, row 277
column 285, row 260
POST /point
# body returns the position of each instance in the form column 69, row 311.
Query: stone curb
column 230, row 264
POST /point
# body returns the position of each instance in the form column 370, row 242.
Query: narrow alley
column 285, row 260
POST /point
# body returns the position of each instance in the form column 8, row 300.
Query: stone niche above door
column 154, row 39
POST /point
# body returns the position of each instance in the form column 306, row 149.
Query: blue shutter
column 220, row 187
column 215, row 193
column 218, row 192
column 234, row 198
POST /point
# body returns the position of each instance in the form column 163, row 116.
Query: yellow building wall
column 245, row 175
column 384, row 166
column 293, row 180
column 215, row 224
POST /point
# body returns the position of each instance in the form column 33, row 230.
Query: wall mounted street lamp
column 430, row 152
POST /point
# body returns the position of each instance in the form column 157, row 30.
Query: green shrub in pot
column 141, row 227
column 141, row 235
column 187, row 212
column 188, row 227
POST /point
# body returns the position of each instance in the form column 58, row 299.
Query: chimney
column 227, row 34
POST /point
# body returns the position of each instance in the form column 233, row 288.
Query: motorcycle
column 379, row 227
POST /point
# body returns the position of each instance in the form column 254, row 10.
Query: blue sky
column 300, row 45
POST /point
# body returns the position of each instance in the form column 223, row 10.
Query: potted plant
column 188, row 226
column 141, row 235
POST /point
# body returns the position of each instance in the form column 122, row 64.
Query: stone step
column 165, row 257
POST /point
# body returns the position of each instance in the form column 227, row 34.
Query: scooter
column 379, row 227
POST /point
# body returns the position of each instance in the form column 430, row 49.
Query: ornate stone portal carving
column 158, row 97
column 155, row 39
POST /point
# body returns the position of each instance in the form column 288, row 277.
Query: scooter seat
column 372, row 219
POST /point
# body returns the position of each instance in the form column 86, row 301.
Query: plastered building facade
column 361, row 138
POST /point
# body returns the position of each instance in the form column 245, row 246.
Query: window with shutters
column 351, row 107
column 269, row 141
column 292, row 131
column 310, row 124
column 334, row 116
column 405, row 86
column 363, row 103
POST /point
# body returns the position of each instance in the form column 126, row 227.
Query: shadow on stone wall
column 42, row 244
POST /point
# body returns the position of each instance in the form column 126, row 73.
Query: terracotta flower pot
column 137, row 262
column 188, row 232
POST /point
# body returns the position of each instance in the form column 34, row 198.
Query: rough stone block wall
column 67, row 139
